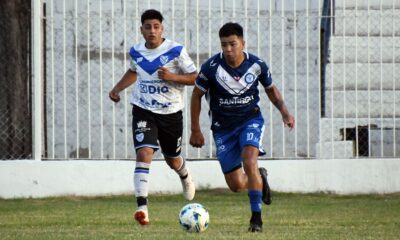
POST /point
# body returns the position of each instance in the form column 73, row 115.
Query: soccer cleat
column 142, row 216
column 266, row 191
column 188, row 187
column 255, row 227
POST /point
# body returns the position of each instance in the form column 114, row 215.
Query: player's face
column 232, row 47
column 152, row 31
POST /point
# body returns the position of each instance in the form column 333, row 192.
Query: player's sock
column 189, row 189
column 141, row 202
column 255, row 200
column 256, row 207
column 141, row 181
column 182, row 171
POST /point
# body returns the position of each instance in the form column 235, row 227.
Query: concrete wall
column 22, row 179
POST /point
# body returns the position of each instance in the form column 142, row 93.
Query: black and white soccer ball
column 194, row 217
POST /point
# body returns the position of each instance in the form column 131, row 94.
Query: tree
column 15, row 100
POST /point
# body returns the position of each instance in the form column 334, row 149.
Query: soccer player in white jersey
column 230, row 82
column 160, row 69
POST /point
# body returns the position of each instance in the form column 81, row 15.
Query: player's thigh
column 144, row 129
column 170, row 129
column 252, row 135
column 228, row 151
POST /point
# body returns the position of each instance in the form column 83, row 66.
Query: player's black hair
column 229, row 29
column 151, row 14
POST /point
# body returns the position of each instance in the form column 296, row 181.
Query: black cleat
column 255, row 227
column 266, row 191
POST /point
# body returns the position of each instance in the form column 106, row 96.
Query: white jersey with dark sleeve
column 233, row 93
column 150, row 92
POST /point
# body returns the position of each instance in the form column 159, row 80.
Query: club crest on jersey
column 139, row 59
column 140, row 137
column 249, row 78
column 163, row 59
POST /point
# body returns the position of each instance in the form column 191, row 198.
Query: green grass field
column 291, row 216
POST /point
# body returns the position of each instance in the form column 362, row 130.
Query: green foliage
column 291, row 216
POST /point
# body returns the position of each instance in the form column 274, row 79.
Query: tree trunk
column 15, row 92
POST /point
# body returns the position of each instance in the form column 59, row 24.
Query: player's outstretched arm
column 196, row 136
column 184, row 78
column 276, row 98
column 128, row 79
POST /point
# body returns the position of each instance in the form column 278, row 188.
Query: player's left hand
column 165, row 74
column 289, row 121
column 196, row 139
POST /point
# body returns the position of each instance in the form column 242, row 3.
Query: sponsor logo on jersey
column 151, row 89
column 235, row 100
column 140, row 137
column 212, row 63
column 269, row 74
column 222, row 78
column 154, row 103
column 202, row 76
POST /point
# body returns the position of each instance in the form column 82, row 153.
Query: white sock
column 141, row 179
column 182, row 171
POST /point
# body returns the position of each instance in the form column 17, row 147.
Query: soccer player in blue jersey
column 160, row 69
column 230, row 82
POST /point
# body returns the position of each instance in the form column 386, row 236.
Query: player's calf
column 266, row 190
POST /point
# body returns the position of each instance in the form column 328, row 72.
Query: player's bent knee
column 144, row 154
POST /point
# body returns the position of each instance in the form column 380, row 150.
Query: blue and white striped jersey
column 150, row 92
column 232, row 94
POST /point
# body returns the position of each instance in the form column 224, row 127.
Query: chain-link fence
column 345, row 104
column 86, row 54
column 15, row 107
column 362, row 83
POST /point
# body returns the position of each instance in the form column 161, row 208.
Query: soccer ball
column 193, row 217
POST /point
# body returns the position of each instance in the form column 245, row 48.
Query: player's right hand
column 114, row 96
column 196, row 139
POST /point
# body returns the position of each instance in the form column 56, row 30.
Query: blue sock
column 255, row 200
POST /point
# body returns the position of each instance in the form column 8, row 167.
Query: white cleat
column 141, row 216
column 188, row 187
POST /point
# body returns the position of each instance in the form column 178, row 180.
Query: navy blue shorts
column 229, row 144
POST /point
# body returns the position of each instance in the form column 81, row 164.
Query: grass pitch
column 291, row 216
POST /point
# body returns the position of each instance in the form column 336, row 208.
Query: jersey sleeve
column 185, row 62
column 202, row 81
column 133, row 64
column 265, row 76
